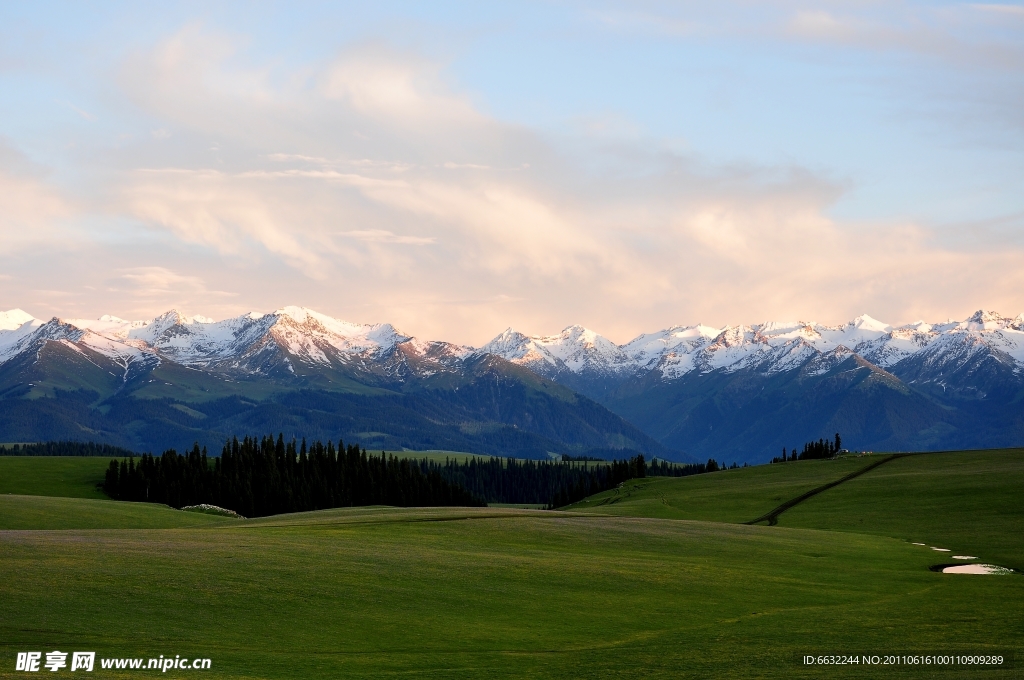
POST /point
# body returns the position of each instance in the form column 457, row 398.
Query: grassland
column 51, row 513
column 508, row 593
column 736, row 495
column 969, row 502
column 68, row 476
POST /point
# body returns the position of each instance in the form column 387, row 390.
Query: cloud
column 149, row 281
column 645, row 22
column 30, row 209
column 85, row 115
column 155, row 287
column 949, row 34
column 383, row 236
column 219, row 210
column 1015, row 10
column 370, row 186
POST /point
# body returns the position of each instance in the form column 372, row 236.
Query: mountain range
column 175, row 379
column 734, row 393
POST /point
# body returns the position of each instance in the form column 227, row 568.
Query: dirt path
column 772, row 516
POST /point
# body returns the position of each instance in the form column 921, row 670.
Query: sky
column 458, row 168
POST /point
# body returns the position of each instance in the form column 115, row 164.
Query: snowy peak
column 293, row 336
column 240, row 343
column 649, row 348
column 316, row 338
column 868, row 324
column 576, row 349
column 735, row 336
column 380, row 335
column 509, row 344
column 14, row 319
column 767, row 347
column 983, row 320
column 16, row 327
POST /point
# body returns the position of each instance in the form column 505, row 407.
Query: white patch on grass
column 976, row 569
column 940, row 549
column 964, row 557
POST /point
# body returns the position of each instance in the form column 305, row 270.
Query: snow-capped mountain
column 246, row 343
column 253, row 343
column 770, row 347
column 175, row 379
column 748, row 390
column 742, row 390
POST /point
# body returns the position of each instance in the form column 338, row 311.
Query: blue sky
column 455, row 168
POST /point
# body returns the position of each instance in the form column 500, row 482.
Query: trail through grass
column 970, row 502
column 737, row 495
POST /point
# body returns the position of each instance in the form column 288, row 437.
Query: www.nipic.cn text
column 33, row 662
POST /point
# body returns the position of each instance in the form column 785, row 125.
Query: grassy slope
column 488, row 593
column 969, row 502
column 69, row 476
column 49, row 513
column 727, row 496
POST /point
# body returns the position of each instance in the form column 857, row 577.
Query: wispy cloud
column 155, row 287
column 644, row 22
column 384, row 236
column 1017, row 10
column 465, row 166
column 83, row 114
column 938, row 33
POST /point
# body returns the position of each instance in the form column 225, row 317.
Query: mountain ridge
column 173, row 379
column 937, row 383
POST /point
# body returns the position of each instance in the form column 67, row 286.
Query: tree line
column 259, row 477
column 552, row 483
column 66, row 448
column 262, row 477
column 823, row 448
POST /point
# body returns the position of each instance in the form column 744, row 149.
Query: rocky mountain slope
column 175, row 379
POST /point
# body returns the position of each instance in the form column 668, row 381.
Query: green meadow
column 661, row 579
column 69, row 476
column 736, row 495
column 970, row 503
